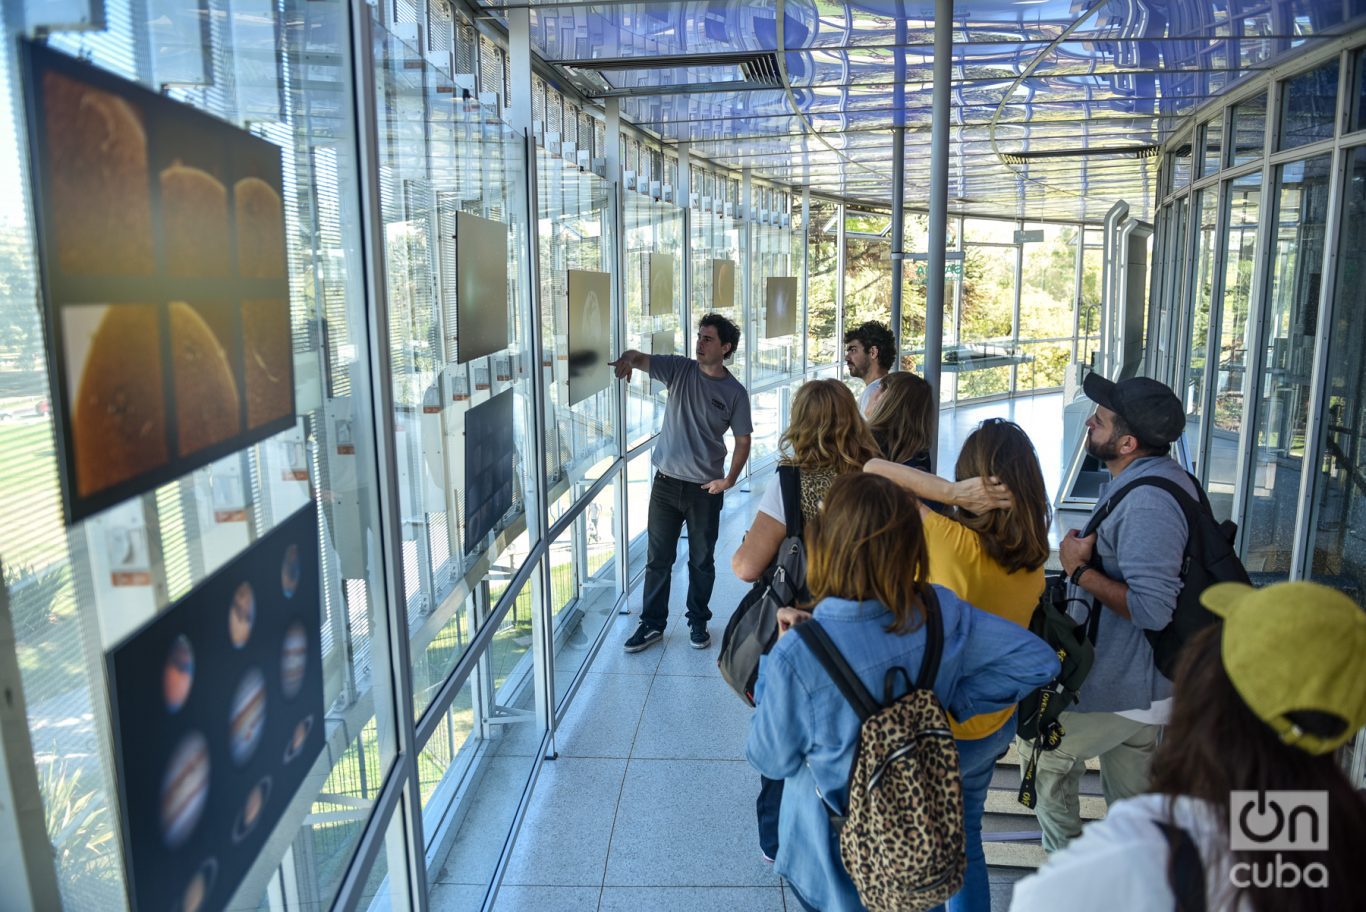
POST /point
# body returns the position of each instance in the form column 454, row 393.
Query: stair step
column 1006, row 802
column 1014, row 854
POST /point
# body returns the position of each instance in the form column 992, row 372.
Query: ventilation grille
column 758, row 69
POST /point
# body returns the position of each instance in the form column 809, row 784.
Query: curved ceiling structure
column 1046, row 122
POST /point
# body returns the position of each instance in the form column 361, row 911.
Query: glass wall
column 1269, row 314
column 77, row 591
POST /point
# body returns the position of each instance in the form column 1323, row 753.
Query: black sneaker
column 699, row 638
column 644, row 637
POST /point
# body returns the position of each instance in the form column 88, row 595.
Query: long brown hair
column 1016, row 537
column 1215, row 745
column 904, row 418
column 868, row 543
column 825, row 430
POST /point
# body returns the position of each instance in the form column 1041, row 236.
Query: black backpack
column 902, row 839
column 753, row 628
column 1037, row 720
column 1209, row 558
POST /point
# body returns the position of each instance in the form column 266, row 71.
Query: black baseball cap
column 1149, row 408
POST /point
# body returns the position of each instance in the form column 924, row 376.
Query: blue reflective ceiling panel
column 807, row 93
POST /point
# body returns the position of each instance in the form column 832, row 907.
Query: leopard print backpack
column 902, row 840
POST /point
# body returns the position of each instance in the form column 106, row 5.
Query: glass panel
column 78, row 591
column 1309, row 106
column 639, row 472
column 823, row 262
column 1214, row 145
column 867, row 281
column 985, row 349
column 654, row 269
column 1357, row 121
column 1047, row 299
column 1180, row 164
column 1291, row 326
column 1088, row 320
column 1243, row 207
column 576, row 232
column 475, row 766
column 989, row 231
column 1207, row 211
column 584, row 588
column 717, row 287
column 771, row 257
column 821, row 265
column 1249, row 131
column 445, row 410
column 1339, row 525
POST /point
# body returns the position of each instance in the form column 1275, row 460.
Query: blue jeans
column 976, row 762
column 672, row 503
column 766, row 807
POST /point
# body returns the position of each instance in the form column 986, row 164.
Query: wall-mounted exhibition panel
column 722, row 284
column 490, row 467
column 218, row 716
column 482, row 263
column 590, row 302
column 161, row 232
column 780, row 306
column 661, row 300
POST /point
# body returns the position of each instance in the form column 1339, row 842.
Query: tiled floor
column 649, row 806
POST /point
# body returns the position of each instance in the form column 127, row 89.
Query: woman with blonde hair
column 867, row 571
column 825, row 438
column 902, row 419
column 993, row 559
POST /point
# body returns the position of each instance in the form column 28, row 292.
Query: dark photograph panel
column 117, row 419
column 218, row 707
column 780, row 307
column 481, row 286
column 590, row 333
column 161, row 234
column 268, row 356
column 99, row 193
column 722, row 284
column 661, row 284
column 490, row 469
column 203, row 352
column 191, row 168
column 258, row 210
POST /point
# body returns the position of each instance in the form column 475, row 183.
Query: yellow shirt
column 959, row 562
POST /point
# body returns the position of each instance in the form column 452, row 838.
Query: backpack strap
column 1187, row 504
column 790, row 481
column 1185, row 869
column 934, row 640
column 834, row 663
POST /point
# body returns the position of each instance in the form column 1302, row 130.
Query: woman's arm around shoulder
column 976, row 494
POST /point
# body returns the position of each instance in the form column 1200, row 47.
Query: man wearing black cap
column 1130, row 569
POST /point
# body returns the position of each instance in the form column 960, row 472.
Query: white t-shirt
column 1159, row 713
column 1119, row 864
column 771, row 501
column 866, row 396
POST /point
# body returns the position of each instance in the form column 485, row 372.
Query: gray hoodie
column 1142, row 544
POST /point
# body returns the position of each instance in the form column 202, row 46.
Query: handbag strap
column 790, row 484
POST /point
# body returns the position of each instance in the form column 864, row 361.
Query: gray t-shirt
column 1142, row 544
column 700, row 409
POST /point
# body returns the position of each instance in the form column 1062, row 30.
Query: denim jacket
column 804, row 730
